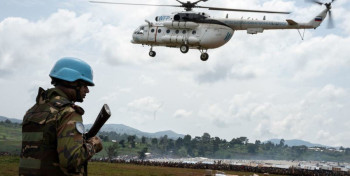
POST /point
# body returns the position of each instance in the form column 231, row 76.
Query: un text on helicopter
column 197, row 30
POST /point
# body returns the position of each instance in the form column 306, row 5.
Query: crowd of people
column 231, row 167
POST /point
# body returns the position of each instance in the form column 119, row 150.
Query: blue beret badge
column 80, row 127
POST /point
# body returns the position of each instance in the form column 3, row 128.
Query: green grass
column 10, row 138
column 10, row 132
column 9, row 167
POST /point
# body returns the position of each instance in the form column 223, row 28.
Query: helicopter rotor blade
column 242, row 10
column 314, row 1
column 105, row 2
column 199, row 1
column 180, row 2
column 330, row 24
column 188, row 6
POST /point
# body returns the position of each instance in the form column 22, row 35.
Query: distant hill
column 296, row 142
column 2, row 118
column 120, row 128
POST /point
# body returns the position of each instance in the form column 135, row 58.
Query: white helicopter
column 197, row 30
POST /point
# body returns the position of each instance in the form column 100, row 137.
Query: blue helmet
column 71, row 69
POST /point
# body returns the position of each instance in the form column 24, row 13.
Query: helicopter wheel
column 204, row 56
column 184, row 48
column 152, row 53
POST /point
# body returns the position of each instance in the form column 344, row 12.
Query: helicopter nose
column 134, row 39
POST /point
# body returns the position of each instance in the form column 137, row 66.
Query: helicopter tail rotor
column 330, row 24
column 329, row 7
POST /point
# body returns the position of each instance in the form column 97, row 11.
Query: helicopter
column 197, row 30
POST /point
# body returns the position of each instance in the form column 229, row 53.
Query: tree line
column 208, row 146
column 215, row 147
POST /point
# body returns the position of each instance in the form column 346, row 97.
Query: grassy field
column 9, row 167
column 10, row 138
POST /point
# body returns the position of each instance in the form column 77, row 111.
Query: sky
column 264, row 86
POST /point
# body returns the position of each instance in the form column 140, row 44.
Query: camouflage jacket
column 51, row 143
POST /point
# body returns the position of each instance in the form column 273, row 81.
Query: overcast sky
column 270, row 85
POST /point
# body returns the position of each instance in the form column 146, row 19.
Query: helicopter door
column 152, row 33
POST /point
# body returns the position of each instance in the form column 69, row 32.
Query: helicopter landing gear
column 204, row 55
column 152, row 53
column 184, row 48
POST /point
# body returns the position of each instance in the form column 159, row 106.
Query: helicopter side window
column 185, row 18
column 176, row 17
column 194, row 32
column 168, row 31
column 177, row 31
column 159, row 30
column 152, row 30
column 184, row 31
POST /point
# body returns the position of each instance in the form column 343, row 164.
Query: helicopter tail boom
column 316, row 22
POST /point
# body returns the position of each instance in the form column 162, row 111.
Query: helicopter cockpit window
column 139, row 30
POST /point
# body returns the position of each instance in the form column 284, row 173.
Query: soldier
column 52, row 130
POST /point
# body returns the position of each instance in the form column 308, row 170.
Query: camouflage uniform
column 51, row 144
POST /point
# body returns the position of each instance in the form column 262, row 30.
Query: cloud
column 4, row 73
column 24, row 42
column 322, row 134
column 147, row 80
column 146, row 104
column 318, row 115
column 216, row 114
column 327, row 98
column 181, row 113
column 143, row 110
column 241, row 109
column 225, row 71
column 316, row 57
column 219, row 123
column 330, row 93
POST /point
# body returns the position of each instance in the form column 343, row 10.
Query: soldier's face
column 83, row 91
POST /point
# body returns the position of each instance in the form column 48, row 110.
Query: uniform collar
column 56, row 92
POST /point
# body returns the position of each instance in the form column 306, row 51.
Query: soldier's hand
column 96, row 142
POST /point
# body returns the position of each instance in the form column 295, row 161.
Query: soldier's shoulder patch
column 80, row 127
column 58, row 102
